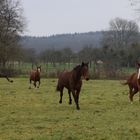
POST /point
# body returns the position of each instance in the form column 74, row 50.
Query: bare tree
column 11, row 25
column 122, row 33
column 135, row 4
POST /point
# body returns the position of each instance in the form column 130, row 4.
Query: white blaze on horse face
column 39, row 70
column 138, row 74
column 85, row 73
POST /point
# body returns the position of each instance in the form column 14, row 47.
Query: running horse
column 35, row 77
column 133, row 83
column 4, row 75
column 72, row 80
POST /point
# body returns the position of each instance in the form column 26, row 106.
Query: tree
column 11, row 25
column 136, row 4
column 85, row 54
column 67, row 55
column 122, row 33
column 116, row 42
column 29, row 55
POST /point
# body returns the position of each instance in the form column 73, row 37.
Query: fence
column 52, row 70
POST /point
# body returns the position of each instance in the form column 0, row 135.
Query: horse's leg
column 38, row 84
column 30, row 84
column 77, row 98
column 35, row 83
column 134, row 91
column 70, row 99
column 61, row 95
column 130, row 93
column 139, row 96
column 138, row 84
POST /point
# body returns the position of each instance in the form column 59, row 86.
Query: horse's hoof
column 60, row 102
column 70, row 103
column 78, row 108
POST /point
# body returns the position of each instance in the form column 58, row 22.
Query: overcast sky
column 48, row 17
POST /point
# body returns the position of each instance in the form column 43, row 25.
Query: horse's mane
column 77, row 69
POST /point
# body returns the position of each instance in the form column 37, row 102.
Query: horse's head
column 39, row 69
column 84, row 71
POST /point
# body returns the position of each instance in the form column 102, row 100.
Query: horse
column 133, row 83
column 4, row 75
column 35, row 76
column 72, row 81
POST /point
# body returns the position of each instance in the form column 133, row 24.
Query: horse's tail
column 8, row 79
column 57, row 88
column 3, row 75
column 125, row 83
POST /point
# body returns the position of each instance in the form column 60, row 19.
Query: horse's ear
column 83, row 63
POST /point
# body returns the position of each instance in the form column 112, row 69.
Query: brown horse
column 35, row 76
column 72, row 80
column 4, row 75
column 134, row 85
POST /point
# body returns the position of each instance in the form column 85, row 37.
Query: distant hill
column 74, row 41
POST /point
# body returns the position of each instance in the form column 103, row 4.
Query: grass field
column 106, row 113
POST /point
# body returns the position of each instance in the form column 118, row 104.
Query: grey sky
column 48, row 17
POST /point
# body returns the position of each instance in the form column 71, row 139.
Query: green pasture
column 35, row 114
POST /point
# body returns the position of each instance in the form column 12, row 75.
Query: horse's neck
column 76, row 75
column 37, row 72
